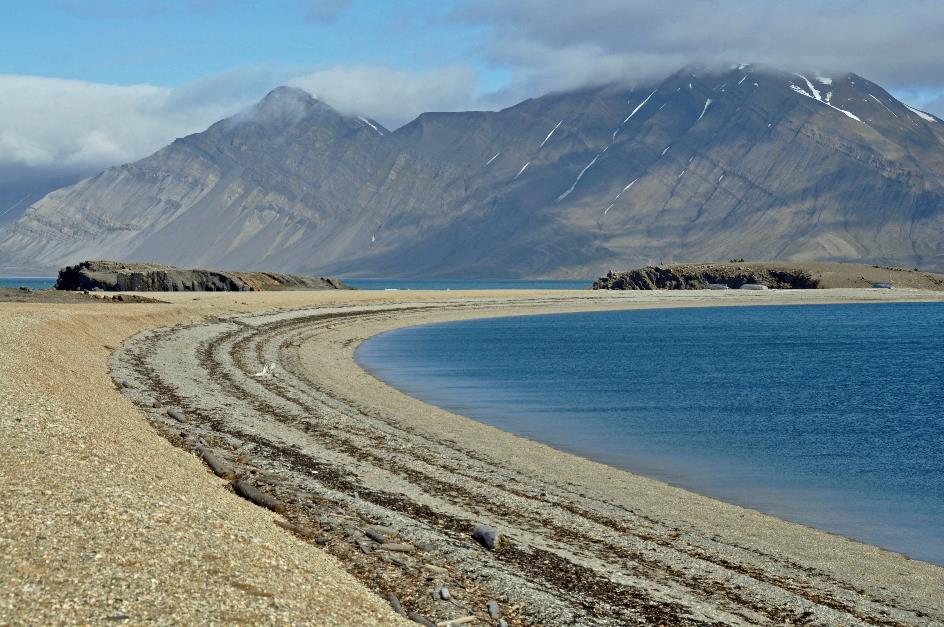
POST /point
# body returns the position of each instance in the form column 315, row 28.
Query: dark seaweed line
column 754, row 573
column 775, row 613
column 265, row 333
column 690, row 582
column 396, row 502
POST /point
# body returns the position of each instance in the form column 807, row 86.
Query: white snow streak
column 368, row 123
column 813, row 90
column 625, row 188
column 818, row 98
column 607, row 210
column 640, row 106
column 721, row 178
column 551, row 133
column 883, row 104
column 744, row 78
column 495, row 156
column 921, row 114
column 844, row 112
column 579, row 176
column 666, row 150
column 680, row 175
column 825, row 80
column 705, row 108
column 521, row 171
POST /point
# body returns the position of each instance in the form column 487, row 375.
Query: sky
column 86, row 84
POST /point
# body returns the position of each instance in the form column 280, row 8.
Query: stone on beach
column 487, row 536
column 493, row 610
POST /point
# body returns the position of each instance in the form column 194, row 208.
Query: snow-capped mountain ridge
column 744, row 162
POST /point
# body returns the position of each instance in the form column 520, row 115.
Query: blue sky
column 85, row 84
column 171, row 43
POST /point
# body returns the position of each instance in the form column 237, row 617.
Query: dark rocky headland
column 775, row 275
column 113, row 276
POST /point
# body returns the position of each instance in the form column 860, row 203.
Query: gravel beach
column 116, row 417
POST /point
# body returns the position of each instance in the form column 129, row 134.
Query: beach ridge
column 583, row 542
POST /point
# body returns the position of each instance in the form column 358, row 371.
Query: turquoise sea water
column 33, row 283
column 828, row 415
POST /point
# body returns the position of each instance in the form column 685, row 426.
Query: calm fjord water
column 828, row 415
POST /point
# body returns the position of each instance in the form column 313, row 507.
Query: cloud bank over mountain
column 895, row 43
column 75, row 128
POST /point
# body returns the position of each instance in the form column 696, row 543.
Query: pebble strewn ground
column 101, row 519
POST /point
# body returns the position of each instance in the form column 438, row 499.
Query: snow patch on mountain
column 640, row 106
column 579, row 176
column 556, row 126
column 921, row 114
column 705, row 108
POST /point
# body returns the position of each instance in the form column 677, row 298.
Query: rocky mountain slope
column 747, row 162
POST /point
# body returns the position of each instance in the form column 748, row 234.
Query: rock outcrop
column 147, row 277
column 787, row 275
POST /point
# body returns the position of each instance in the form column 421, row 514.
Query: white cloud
column 556, row 46
column 76, row 125
column 65, row 125
column 393, row 96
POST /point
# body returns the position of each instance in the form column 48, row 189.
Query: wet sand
column 393, row 487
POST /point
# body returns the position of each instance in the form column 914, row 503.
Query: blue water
column 32, row 283
column 467, row 284
column 827, row 415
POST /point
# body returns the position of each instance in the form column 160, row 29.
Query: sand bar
column 105, row 518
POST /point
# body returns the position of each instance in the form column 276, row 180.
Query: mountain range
column 707, row 164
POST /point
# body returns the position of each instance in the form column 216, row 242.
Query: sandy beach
column 110, row 512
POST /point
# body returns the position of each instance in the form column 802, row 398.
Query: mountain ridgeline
column 748, row 162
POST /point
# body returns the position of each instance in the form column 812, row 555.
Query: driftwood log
column 250, row 493
column 217, row 465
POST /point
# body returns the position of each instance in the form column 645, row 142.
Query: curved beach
column 392, row 487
